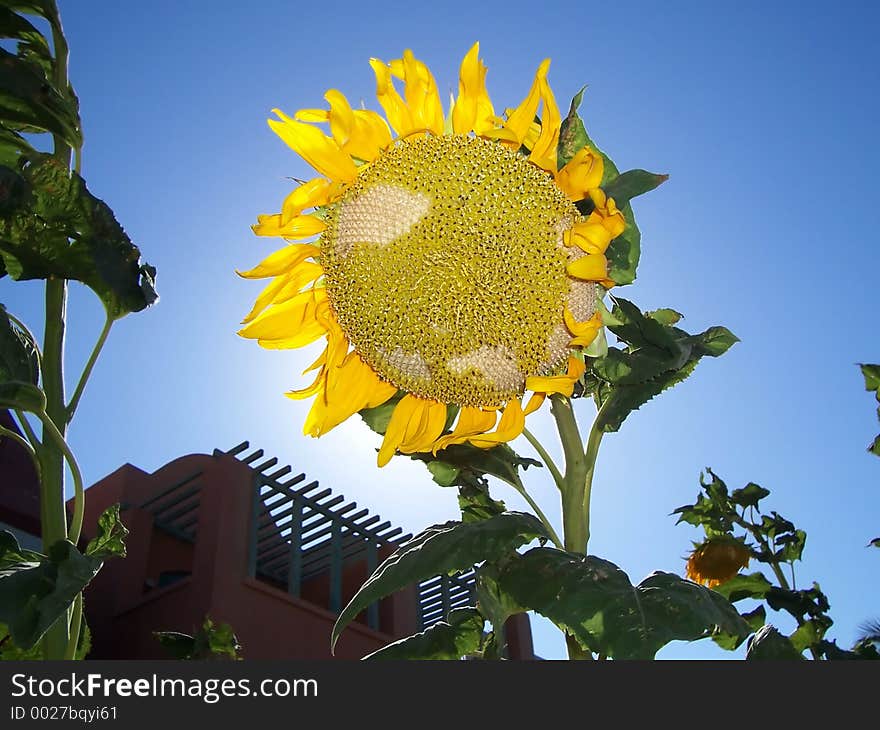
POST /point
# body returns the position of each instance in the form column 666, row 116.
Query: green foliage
column 624, row 252
column 477, row 504
column 871, row 374
column 59, row 229
column 461, row 634
column 446, row 548
column 110, row 540
column 655, row 356
column 631, row 184
column 10, row 651
column 209, row 642
column 775, row 542
column 19, row 355
column 35, row 589
column 768, row 643
column 593, row 600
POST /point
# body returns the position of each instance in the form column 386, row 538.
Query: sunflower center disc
column 445, row 268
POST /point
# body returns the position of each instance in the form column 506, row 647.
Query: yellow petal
column 315, row 116
column 473, row 111
column 285, row 287
column 535, row 402
column 288, row 325
column 396, row 110
column 362, row 134
column 584, row 332
column 300, row 226
column 581, row 174
column 471, row 421
column 522, row 117
column 281, row 261
column 355, row 386
column 563, row 384
column 511, row 425
column 591, row 236
column 308, row 195
column 422, row 96
column 315, row 147
column 544, row 150
column 592, row 267
column 415, row 425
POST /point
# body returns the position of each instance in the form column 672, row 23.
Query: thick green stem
column 78, row 488
column 87, row 371
column 575, row 530
column 54, row 520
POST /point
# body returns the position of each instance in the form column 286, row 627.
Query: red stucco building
column 231, row 536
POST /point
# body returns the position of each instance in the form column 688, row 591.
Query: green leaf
column 768, row 643
column 755, row 619
column 631, row 184
column 751, row 585
column 29, row 101
column 658, row 356
column 445, row 548
column 454, row 638
column 593, row 600
column 572, row 134
column 626, row 399
column 624, row 252
column 749, row 495
column 211, row 641
column 64, row 231
column 110, row 540
column 810, row 633
column 665, row 316
column 716, row 341
column 178, row 645
column 32, row 46
column 35, row 590
column 494, row 603
column 465, row 464
column 477, row 504
column 871, row 374
column 19, row 358
column 810, row 602
column 22, row 396
column 12, row 147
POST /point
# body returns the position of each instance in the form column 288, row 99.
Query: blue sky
column 764, row 115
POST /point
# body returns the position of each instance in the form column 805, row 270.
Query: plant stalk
column 54, row 519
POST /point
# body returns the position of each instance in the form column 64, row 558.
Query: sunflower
column 717, row 560
column 452, row 265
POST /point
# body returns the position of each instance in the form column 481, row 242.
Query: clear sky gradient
column 763, row 114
